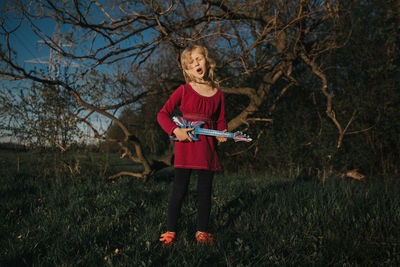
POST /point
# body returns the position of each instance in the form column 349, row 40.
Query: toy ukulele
column 183, row 123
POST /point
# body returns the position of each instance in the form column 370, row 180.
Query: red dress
column 199, row 154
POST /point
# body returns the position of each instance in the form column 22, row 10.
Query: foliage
column 364, row 78
column 39, row 115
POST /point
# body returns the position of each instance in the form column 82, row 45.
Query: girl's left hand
column 222, row 139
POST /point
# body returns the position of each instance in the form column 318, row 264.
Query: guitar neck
column 213, row 132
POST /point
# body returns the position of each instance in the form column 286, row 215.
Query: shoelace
column 205, row 238
column 167, row 238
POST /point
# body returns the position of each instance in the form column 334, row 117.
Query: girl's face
column 197, row 66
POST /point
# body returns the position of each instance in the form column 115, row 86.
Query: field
column 58, row 211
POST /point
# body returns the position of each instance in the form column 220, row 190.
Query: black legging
column 204, row 186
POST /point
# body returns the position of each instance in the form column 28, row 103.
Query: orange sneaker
column 167, row 238
column 205, row 238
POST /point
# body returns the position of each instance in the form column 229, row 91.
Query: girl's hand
column 182, row 134
column 222, row 139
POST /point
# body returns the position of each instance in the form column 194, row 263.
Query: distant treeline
column 13, row 147
column 102, row 147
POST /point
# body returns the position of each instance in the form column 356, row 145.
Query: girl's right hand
column 182, row 134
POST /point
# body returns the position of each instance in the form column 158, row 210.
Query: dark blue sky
column 26, row 43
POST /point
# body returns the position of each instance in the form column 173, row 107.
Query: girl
column 198, row 99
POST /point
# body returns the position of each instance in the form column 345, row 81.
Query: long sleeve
column 221, row 121
column 164, row 116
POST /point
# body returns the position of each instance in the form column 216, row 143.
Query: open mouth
column 199, row 71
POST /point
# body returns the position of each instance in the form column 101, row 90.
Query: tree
column 257, row 44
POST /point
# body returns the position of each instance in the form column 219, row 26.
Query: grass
column 77, row 219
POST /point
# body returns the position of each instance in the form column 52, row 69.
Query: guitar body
column 184, row 123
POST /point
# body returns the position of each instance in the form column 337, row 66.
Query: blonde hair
column 186, row 60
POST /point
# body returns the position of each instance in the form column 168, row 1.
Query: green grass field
column 51, row 216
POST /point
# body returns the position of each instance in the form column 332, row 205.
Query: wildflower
column 20, row 237
column 116, row 251
column 105, row 258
